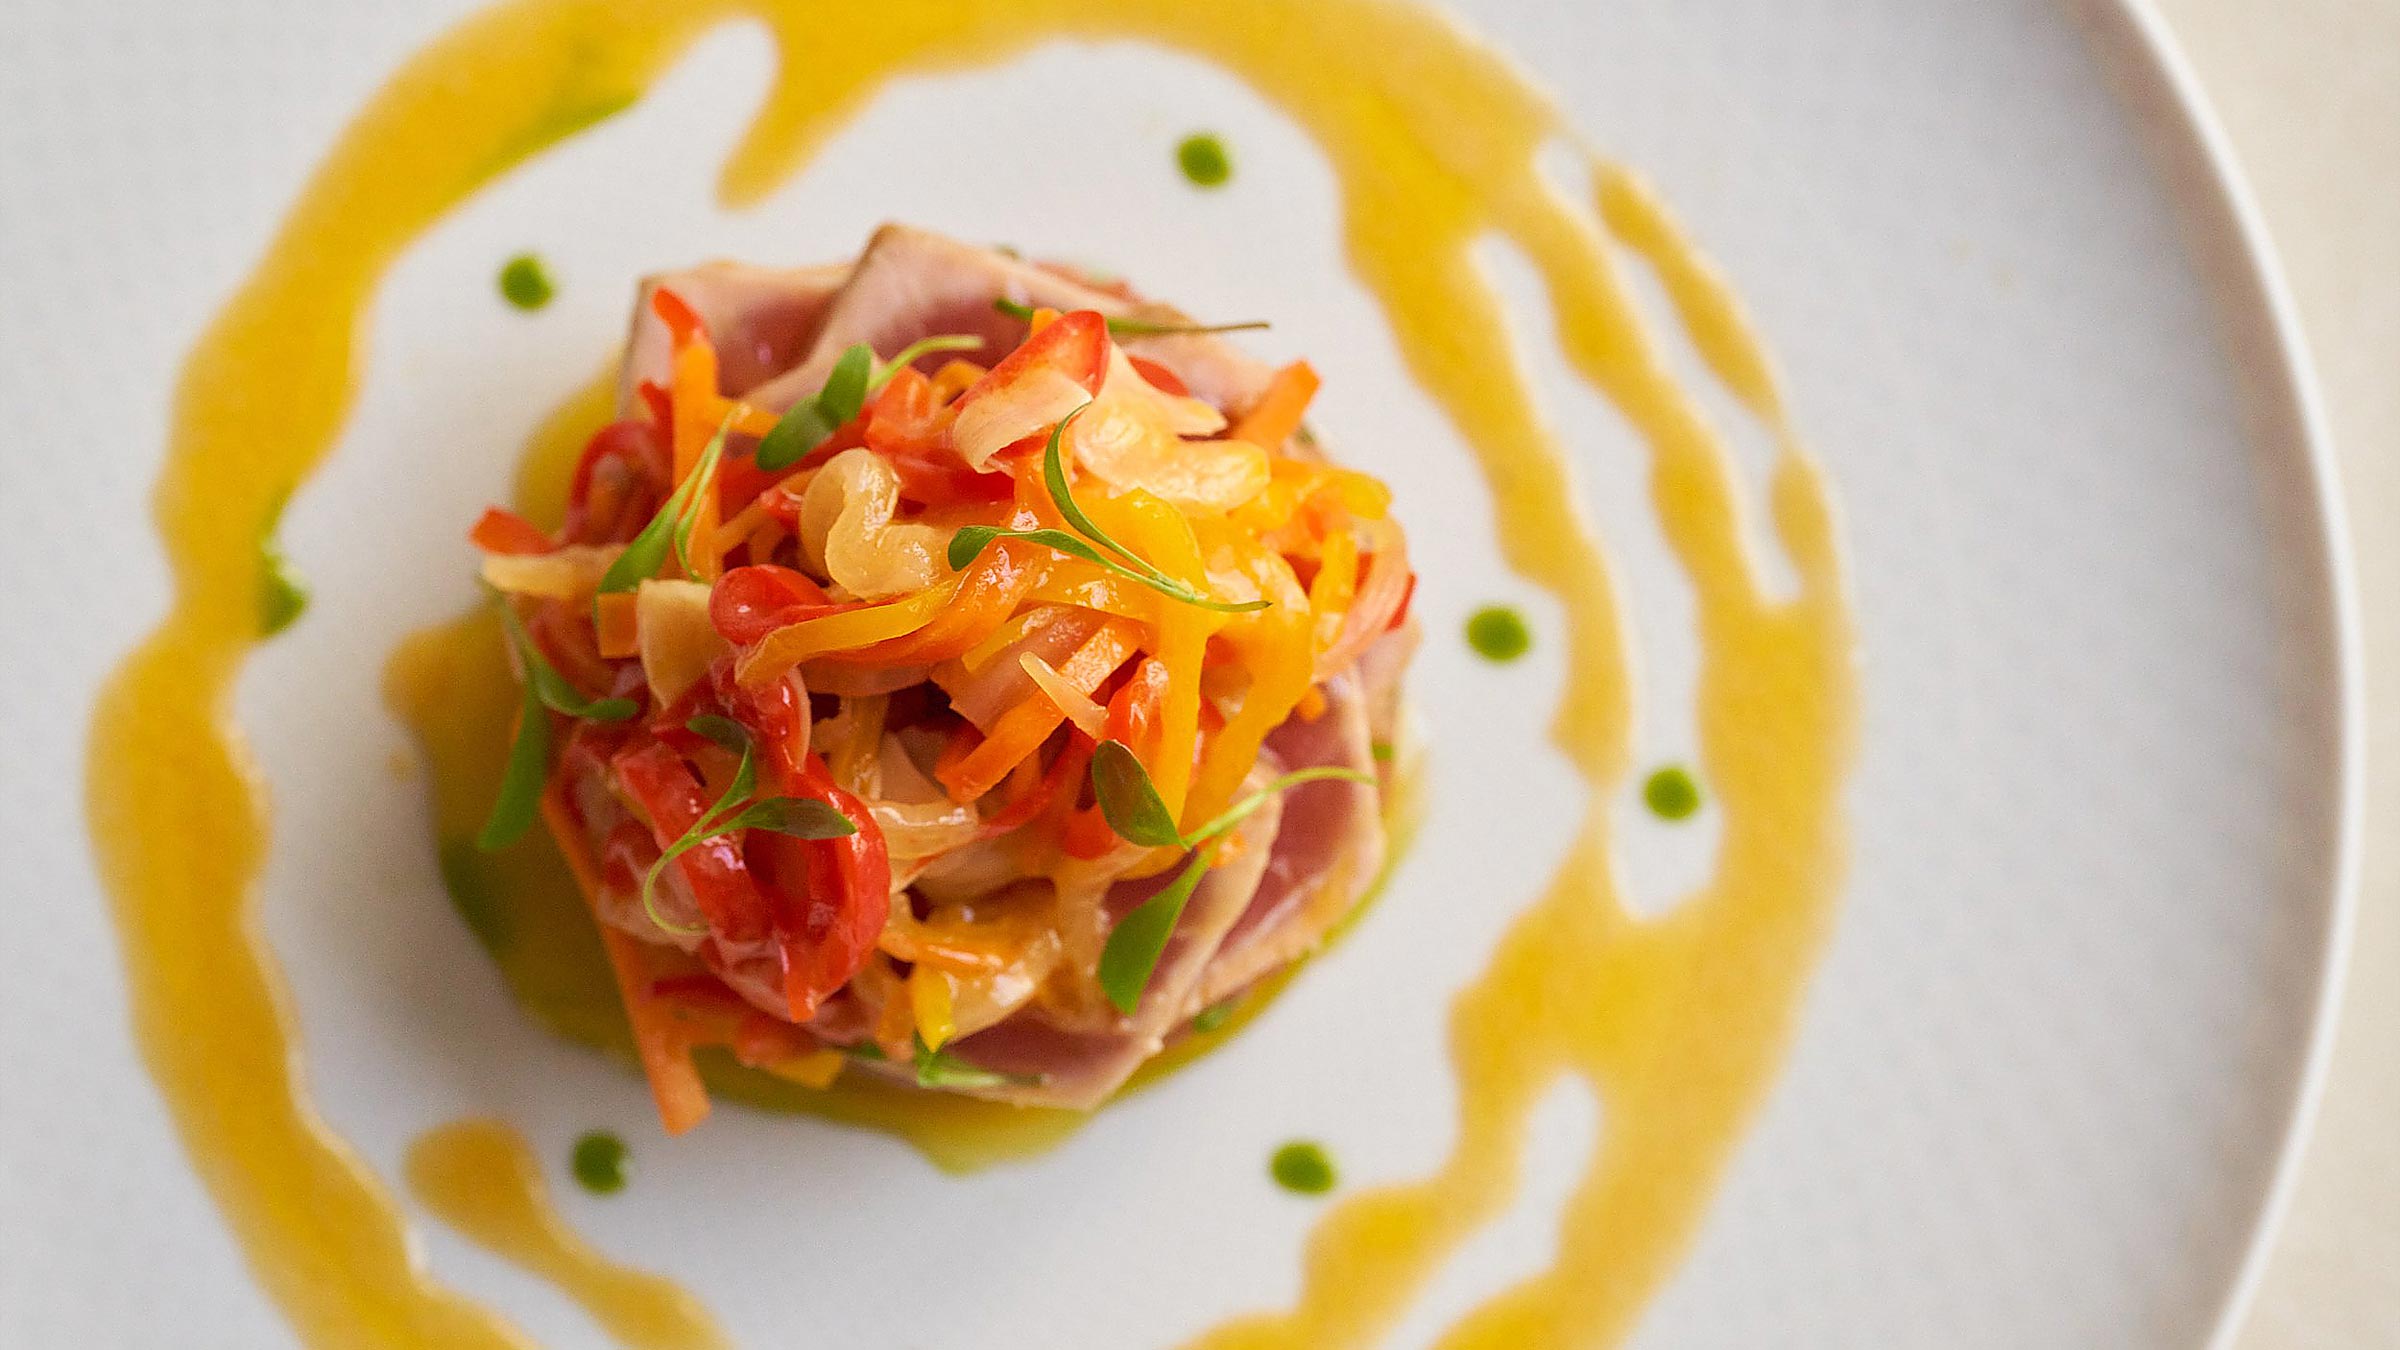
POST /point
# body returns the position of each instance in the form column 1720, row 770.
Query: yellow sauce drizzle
column 1677, row 1022
column 482, row 1180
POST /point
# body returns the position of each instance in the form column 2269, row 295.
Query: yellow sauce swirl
column 1677, row 1022
column 482, row 1180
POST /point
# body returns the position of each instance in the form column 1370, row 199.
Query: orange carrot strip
column 504, row 531
column 1022, row 729
column 615, row 627
column 741, row 526
column 699, row 410
column 763, row 538
column 1072, row 703
column 1019, row 732
column 666, row 1057
column 747, row 420
column 1279, row 410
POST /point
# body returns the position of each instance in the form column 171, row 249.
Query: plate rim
column 2162, row 93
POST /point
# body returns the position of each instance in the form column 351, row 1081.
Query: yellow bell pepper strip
column 1276, row 647
column 952, row 947
column 1334, row 586
column 930, row 1000
column 816, row 1070
column 1072, row 581
column 975, row 658
column 1161, row 533
column 932, row 1005
column 987, row 594
column 955, row 378
column 788, row 646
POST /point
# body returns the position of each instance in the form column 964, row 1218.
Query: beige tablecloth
column 2309, row 91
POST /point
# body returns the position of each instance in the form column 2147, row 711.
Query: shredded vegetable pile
column 931, row 720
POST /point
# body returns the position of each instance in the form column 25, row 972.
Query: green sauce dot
column 1204, row 160
column 281, row 596
column 1302, row 1166
column 1498, row 633
column 281, row 593
column 601, row 1162
column 1671, row 793
column 1213, row 1017
column 525, row 283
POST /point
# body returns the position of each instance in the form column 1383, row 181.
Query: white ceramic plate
column 2048, row 1073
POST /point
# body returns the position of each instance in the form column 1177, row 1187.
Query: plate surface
column 2099, row 813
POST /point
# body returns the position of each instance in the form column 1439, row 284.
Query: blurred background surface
column 2309, row 93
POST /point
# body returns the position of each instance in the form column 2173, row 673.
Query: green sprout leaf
column 969, row 542
column 1128, row 798
column 1137, row 328
column 554, row 690
column 813, row 419
column 1054, row 477
column 925, row 346
column 703, row 480
column 1235, row 814
column 799, row 431
column 521, row 784
column 855, row 375
column 800, row 817
column 845, row 391
column 941, row 1069
column 671, row 529
column 722, row 730
column 1131, row 804
column 1215, row 1015
column 1140, row 938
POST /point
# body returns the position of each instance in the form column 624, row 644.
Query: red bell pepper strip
column 1407, row 598
column 682, row 321
column 657, row 779
column 1075, row 345
column 832, row 896
column 1160, row 378
column 626, row 470
column 750, row 602
column 831, row 919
